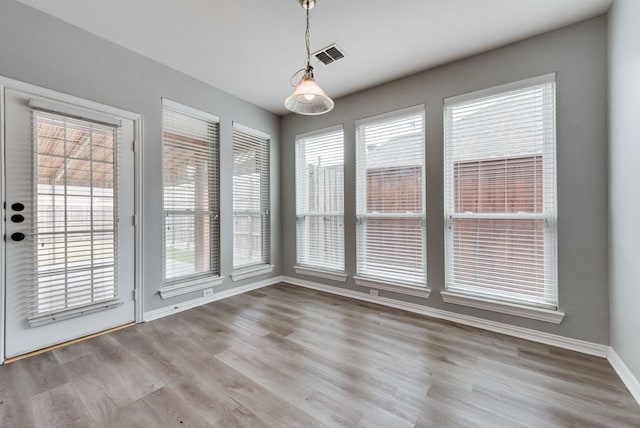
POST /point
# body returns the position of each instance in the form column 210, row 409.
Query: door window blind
column 75, row 227
column 251, row 202
column 390, row 197
column 191, row 193
column 500, row 193
column 320, row 200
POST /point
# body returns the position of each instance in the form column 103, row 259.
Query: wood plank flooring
column 288, row 357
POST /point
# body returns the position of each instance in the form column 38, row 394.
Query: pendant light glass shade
column 308, row 98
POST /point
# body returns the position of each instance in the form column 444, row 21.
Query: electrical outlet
column 207, row 293
column 373, row 292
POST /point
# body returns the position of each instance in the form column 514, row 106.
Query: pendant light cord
column 308, row 70
column 307, row 42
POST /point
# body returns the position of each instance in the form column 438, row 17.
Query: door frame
column 8, row 83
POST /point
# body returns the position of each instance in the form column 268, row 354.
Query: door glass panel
column 75, row 213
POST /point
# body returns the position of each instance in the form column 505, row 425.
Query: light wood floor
column 289, row 357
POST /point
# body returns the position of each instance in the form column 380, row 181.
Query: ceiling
column 251, row 48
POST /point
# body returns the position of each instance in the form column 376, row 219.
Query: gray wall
column 578, row 55
column 41, row 50
column 44, row 51
column 624, row 175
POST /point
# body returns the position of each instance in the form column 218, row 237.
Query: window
column 191, row 194
column 75, row 207
column 251, row 204
column 390, row 197
column 320, row 200
column 500, row 194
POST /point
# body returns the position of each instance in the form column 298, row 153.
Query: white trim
column 577, row 345
column 545, row 78
column 174, row 290
column 339, row 127
column 189, row 111
column 420, row 108
column 320, row 273
column 71, row 110
column 251, row 271
column 138, row 213
column 38, row 91
column 235, row 126
column 190, row 304
column 396, row 287
column 3, row 263
column 631, row 382
column 531, row 312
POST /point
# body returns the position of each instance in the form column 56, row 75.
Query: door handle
column 17, row 206
column 17, row 218
column 18, row 236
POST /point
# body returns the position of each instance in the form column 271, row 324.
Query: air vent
column 329, row 54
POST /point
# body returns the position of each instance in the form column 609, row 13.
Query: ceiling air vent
column 329, row 54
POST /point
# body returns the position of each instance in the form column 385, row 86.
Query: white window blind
column 191, row 193
column 75, row 227
column 500, row 193
column 251, row 202
column 320, row 200
column 390, row 197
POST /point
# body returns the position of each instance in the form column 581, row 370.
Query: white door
column 69, row 242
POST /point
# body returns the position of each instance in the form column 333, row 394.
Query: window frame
column 408, row 286
column 510, row 303
column 335, row 273
column 75, row 118
column 179, row 285
column 263, row 140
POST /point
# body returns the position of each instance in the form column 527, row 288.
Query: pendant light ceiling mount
column 307, row 4
column 308, row 98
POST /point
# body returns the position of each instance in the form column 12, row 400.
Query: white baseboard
column 631, row 382
column 189, row 304
column 577, row 345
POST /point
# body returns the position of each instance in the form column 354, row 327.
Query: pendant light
column 308, row 98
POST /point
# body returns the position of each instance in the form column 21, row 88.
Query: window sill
column 174, row 290
column 250, row 272
column 540, row 314
column 395, row 287
column 319, row 273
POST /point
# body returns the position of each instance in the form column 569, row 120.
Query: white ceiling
column 251, row 48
